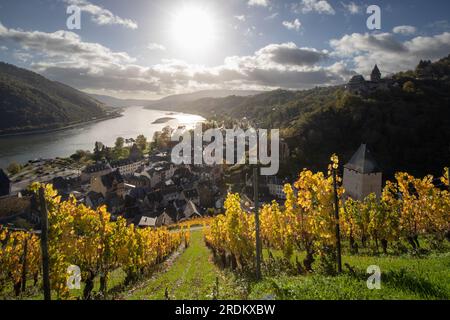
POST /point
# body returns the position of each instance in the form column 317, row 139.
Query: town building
column 135, row 153
column 190, row 211
column 167, row 218
column 362, row 175
column 5, row 184
column 275, row 187
column 126, row 167
column 191, row 195
column 284, row 150
column 94, row 200
column 14, row 208
column 95, row 170
column 109, row 185
column 169, row 194
column 147, row 222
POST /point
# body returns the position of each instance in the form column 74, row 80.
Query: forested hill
column 28, row 101
column 406, row 127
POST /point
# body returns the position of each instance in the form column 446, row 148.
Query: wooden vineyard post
column 24, row 264
column 338, row 231
column 257, row 228
column 44, row 244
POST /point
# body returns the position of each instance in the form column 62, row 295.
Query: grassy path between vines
column 191, row 276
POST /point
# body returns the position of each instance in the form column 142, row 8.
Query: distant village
column 150, row 191
column 147, row 189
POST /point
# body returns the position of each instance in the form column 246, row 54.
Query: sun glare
column 193, row 29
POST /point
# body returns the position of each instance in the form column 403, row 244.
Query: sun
column 193, row 29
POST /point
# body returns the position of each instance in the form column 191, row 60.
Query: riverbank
column 50, row 144
column 55, row 129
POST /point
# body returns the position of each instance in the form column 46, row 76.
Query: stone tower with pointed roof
column 362, row 175
column 375, row 76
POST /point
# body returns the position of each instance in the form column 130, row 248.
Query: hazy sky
column 153, row 48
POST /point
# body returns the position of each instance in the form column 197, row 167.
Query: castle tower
column 375, row 75
column 362, row 176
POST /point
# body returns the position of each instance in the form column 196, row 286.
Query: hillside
column 406, row 127
column 28, row 101
column 178, row 102
column 119, row 103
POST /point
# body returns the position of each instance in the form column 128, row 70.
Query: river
column 135, row 121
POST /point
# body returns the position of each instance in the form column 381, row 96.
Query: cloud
column 351, row 7
column 272, row 16
column 240, row 18
column 155, row 47
column 356, row 43
column 62, row 45
column 318, row 6
column 260, row 3
column 292, row 25
column 290, row 54
column 22, row 56
column 102, row 16
column 405, row 30
column 63, row 56
column 390, row 54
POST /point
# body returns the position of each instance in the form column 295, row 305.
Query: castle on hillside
column 360, row 86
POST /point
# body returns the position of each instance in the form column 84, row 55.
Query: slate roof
column 357, row 79
column 363, row 161
column 147, row 222
column 96, row 198
column 121, row 163
column 108, row 179
column 154, row 196
column 169, row 216
column 190, row 194
column 376, row 72
column 97, row 168
column 169, row 190
column 191, row 210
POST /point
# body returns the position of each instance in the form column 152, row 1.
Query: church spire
column 376, row 74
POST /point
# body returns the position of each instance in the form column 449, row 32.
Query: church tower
column 362, row 175
column 376, row 74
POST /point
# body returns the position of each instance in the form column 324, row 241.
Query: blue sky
column 153, row 48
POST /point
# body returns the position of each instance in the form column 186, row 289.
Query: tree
column 409, row 87
column 163, row 138
column 98, row 151
column 130, row 141
column 141, row 142
column 79, row 155
column 119, row 143
column 119, row 150
column 14, row 168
